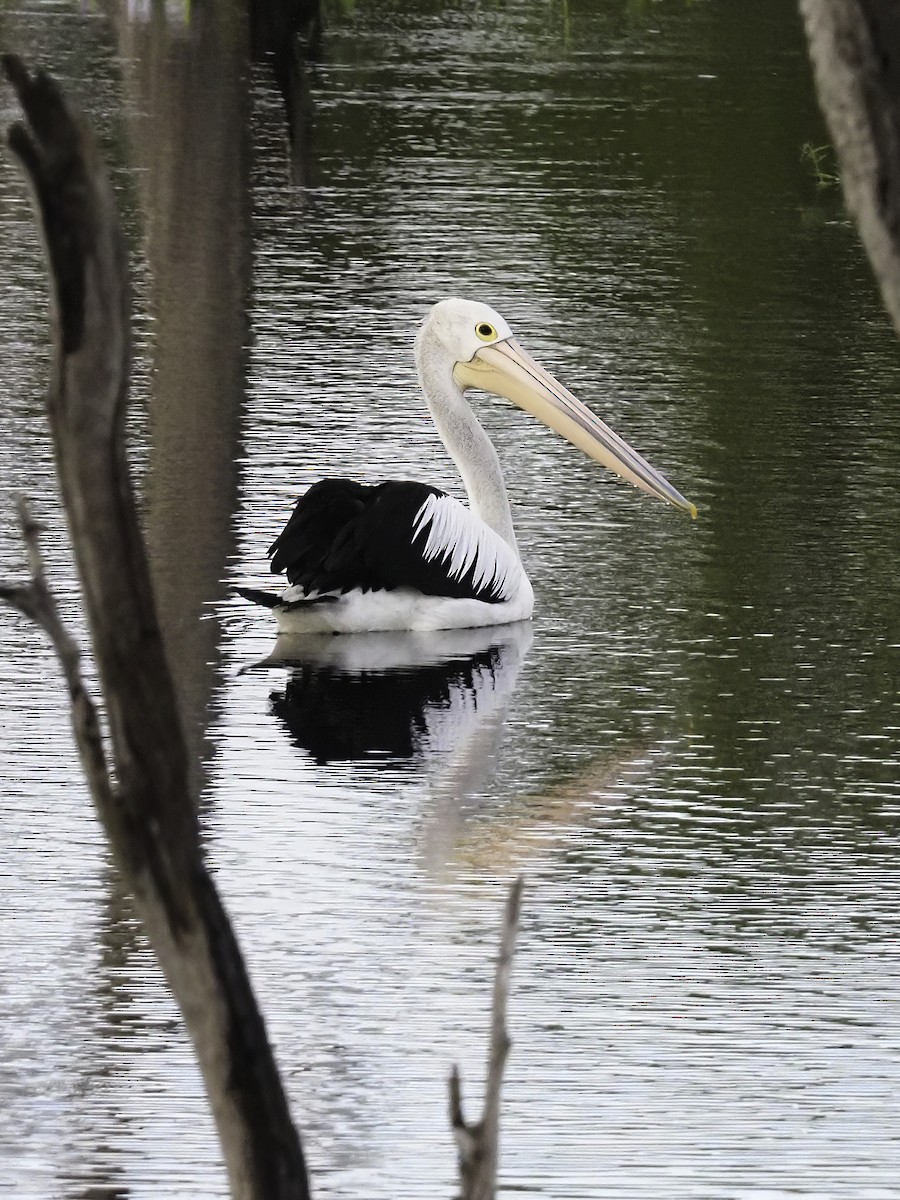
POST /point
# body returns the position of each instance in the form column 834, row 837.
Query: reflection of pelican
column 398, row 695
column 404, row 555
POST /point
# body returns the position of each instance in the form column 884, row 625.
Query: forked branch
column 35, row 601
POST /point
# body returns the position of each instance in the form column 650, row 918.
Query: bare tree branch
column 478, row 1144
column 36, row 601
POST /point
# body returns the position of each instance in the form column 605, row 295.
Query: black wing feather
column 318, row 519
column 379, row 544
column 344, row 535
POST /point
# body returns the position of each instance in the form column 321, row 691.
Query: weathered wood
column 478, row 1144
column 149, row 813
column 855, row 50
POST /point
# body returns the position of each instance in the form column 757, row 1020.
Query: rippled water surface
column 691, row 753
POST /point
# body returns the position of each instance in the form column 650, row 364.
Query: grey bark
column 855, row 50
column 148, row 812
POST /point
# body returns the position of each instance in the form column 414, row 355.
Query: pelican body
column 403, row 555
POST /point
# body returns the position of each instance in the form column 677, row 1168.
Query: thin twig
column 36, row 601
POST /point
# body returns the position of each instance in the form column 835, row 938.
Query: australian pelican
column 404, row 555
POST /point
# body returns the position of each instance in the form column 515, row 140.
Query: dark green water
column 692, row 754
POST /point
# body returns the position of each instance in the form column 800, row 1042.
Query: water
column 692, row 753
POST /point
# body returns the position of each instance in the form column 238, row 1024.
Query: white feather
column 464, row 543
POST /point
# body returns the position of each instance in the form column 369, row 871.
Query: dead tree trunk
column 855, row 50
column 148, row 813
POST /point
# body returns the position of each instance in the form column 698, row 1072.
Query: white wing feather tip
column 464, row 543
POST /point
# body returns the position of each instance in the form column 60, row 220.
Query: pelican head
column 486, row 357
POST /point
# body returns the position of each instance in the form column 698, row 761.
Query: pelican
column 407, row 556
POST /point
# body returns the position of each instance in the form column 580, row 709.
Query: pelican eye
column 486, row 331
